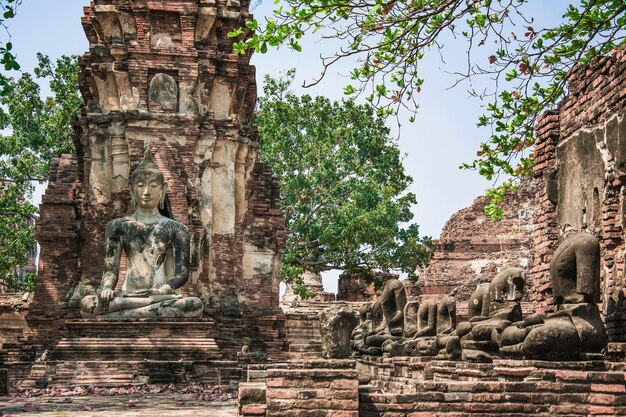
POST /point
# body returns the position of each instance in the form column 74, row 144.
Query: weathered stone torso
column 147, row 247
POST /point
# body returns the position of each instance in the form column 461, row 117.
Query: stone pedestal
column 121, row 352
column 137, row 340
column 119, row 373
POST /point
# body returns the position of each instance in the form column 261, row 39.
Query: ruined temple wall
column 579, row 179
column 57, row 233
column 472, row 249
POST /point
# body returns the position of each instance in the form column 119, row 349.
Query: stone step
column 138, row 342
column 120, row 373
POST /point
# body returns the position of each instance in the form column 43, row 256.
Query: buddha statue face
column 147, row 185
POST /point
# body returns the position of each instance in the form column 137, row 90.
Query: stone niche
column 163, row 92
column 144, row 81
column 580, row 180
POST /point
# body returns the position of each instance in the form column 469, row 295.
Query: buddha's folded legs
column 157, row 306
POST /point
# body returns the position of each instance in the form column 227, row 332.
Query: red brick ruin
column 580, row 181
column 160, row 76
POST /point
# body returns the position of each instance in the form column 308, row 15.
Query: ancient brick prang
column 579, row 180
column 160, row 76
column 313, row 283
column 473, row 248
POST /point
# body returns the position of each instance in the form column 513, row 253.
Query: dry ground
column 147, row 405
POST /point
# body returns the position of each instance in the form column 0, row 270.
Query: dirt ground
column 147, row 405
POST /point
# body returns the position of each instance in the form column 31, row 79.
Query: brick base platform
column 415, row 387
column 420, row 387
column 68, row 374
column 121, row 352
column 137, row 340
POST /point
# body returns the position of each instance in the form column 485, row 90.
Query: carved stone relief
column 163, row 93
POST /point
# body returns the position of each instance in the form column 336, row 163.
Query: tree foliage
column 7, row 59
column 388, row 38
column 343, row 186
column 35, row 130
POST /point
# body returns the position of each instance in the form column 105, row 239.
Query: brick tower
column 161, row 76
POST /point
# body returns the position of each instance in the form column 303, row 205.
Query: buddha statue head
column 147, row 184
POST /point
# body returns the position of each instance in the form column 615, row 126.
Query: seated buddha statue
column 392, row 302
column 500, row 307
column 157, row 251
column 575, row 328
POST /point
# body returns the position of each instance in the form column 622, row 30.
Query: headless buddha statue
column 447, row 342
column 423, row 342
column 576, row 328
column 157, row 250
column 499, row 307
column 434, row 325
column 392, row 301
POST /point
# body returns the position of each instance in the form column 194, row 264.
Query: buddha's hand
column 164, row 289
column 104, row 298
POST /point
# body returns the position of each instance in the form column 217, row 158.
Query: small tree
column 343, row 186
column 38, row 130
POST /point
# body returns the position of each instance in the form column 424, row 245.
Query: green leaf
column 252, row 25
column 235, row 32
column 511, row 75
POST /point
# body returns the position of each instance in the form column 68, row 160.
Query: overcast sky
column 443, row 135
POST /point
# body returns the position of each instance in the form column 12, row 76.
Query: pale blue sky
column 443, row 136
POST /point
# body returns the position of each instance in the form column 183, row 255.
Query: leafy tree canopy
column 389, row 38
column 343, row 186
column 35, row 130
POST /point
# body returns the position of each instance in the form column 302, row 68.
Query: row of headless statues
column 495, row 326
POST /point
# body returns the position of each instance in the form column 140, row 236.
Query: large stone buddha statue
column 157, row 251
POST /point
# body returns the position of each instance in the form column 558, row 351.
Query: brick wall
column 579, row 180
column 413, row 387
column 324, row 388
column 57, row 234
